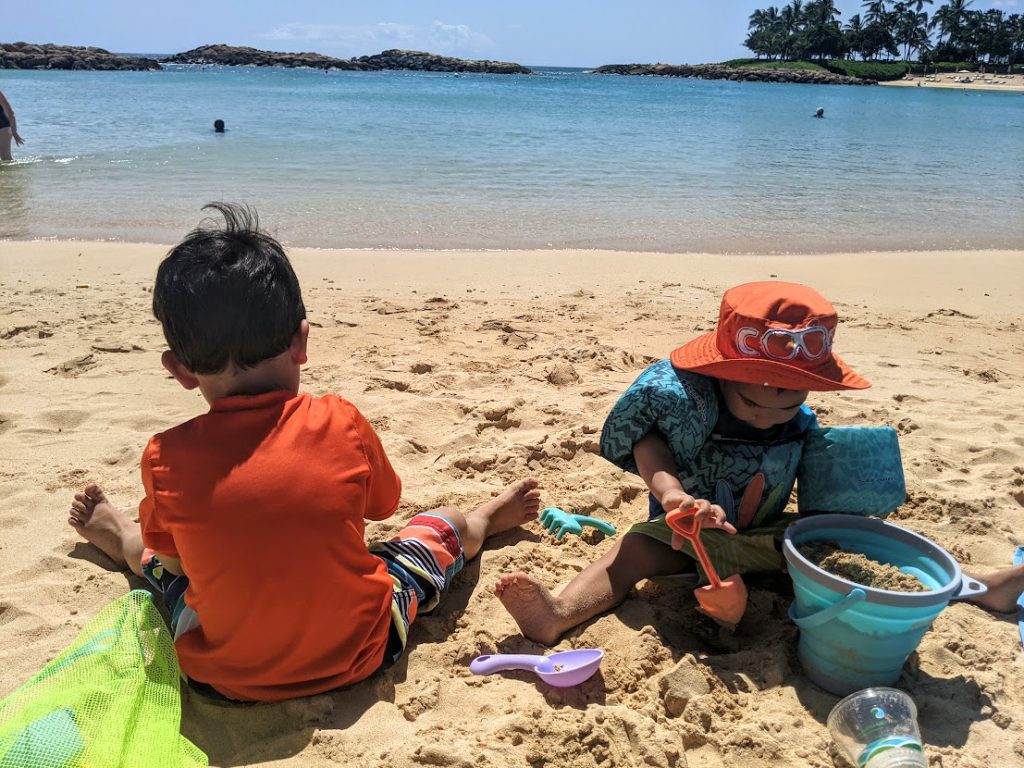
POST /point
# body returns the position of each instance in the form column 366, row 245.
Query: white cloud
column 349, row 40
column 1006, row 3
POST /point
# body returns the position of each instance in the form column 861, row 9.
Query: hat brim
column 703, row 356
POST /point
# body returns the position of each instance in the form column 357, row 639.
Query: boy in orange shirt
column 262, row 500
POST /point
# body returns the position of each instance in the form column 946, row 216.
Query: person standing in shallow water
column 8, row 129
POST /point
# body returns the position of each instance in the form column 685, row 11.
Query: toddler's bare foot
column 1004, row 588
column 518, row 504
column 104, row 526
column 531, row 605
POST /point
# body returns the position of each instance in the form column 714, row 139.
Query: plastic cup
column 878, row 729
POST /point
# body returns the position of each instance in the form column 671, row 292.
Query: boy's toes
column 95, row 493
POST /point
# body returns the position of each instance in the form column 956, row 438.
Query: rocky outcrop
column 391, row 59
column 49, row 56
column 745, row 74
column 430, row 62
column 229, row 55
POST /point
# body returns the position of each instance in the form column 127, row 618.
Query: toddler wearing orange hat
column 723, row 419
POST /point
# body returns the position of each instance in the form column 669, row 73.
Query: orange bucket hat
column 773, row 333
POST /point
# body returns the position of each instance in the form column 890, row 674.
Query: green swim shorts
column 748, row 551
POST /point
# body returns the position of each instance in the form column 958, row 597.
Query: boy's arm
column 656, row 466
column 384, row 488
column 154, row 537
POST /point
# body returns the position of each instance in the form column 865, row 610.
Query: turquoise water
column 560, row 159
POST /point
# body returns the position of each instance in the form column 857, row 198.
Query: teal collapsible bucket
column 853, row 636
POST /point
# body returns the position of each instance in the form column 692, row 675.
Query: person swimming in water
column 218, row 126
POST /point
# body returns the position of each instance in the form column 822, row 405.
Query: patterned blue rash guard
column 749, row 472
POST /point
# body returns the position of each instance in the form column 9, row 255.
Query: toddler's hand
column 677, row 499
column 712, row 516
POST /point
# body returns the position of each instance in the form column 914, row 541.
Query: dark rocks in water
column 431, row 62
column 390, row 59
column 230, row 55
column 745, row 74
column 49, row 56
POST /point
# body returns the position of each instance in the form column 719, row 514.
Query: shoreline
column 440, row 270
column 808, row 253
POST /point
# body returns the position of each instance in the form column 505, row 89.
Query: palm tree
column 957, row 16
column 791, row 20
column 764, row 32
column 874, row 10
column 822, row 36
column 911, row 32
column 853, row 30
column 943, row 19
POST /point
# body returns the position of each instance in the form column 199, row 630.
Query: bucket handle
column 969, row 589
column 826, row 615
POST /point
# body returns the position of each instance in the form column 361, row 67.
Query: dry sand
column 979, row 81
column 452, row 356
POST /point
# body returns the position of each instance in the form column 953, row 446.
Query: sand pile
column 859, row 568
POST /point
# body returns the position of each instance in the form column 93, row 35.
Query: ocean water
column 560, row 159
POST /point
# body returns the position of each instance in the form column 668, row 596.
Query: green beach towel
column 110, row 700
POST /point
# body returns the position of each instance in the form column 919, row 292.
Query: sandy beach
column 478, row 368
column 976, row 81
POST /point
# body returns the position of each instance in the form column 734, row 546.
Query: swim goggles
column 784, row 344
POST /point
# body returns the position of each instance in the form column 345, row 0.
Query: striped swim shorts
column 422, row 561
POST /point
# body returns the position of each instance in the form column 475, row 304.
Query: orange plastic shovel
column 724, row 600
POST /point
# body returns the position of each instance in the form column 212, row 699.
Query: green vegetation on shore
column 866, row 70
column 803, row 31
column 773, row 64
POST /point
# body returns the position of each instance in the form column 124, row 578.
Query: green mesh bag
column 110, row 700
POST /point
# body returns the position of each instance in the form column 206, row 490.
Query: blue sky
column 531, row 32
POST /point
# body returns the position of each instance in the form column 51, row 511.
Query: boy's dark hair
column 227, row 295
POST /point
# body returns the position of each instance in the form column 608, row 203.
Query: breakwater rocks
column 390, row 59
column 745, row 74
column 49, row 56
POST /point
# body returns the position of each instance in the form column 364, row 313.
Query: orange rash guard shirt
column 263, row 499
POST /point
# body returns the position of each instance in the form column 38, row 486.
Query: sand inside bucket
column 859, row 568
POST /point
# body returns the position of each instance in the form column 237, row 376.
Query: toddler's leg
column 599, row 587
column 518, row 504
column 103, row 525
column 1005, row 586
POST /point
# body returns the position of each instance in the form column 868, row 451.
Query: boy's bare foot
column 531, row 605
column 104, row 526
column 518, row 504
column 1004, row 588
